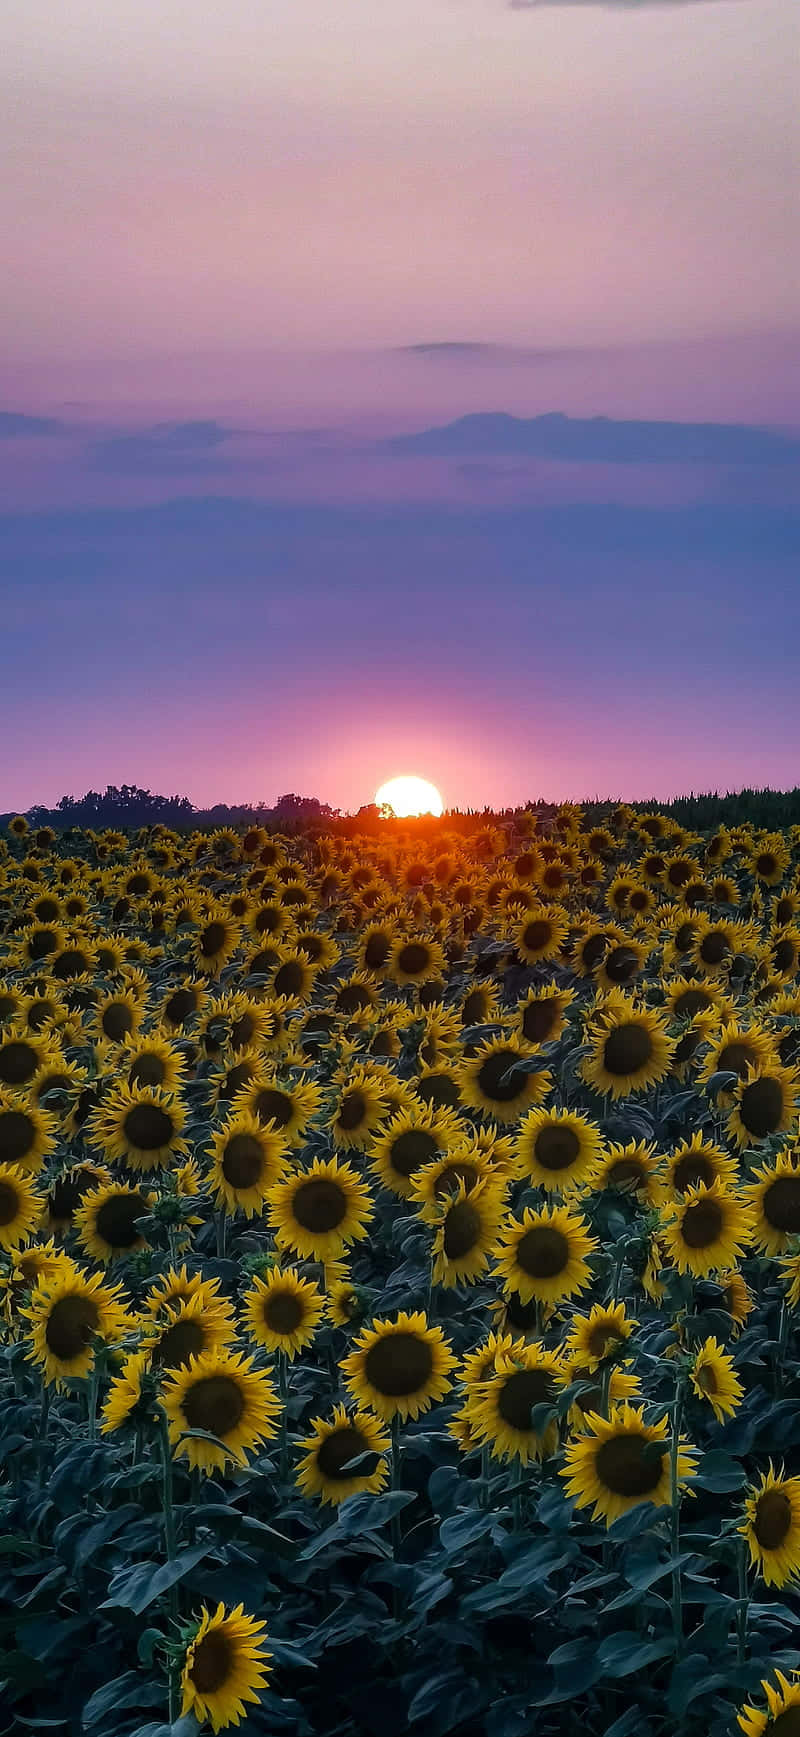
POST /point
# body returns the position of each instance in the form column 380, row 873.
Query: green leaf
column 622, row 1654
column 129, row 1690
column 138, row 1587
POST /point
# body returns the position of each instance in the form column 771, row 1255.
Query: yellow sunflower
column 184, row 1330
column 737, row 1049
column 464, row 1164
column 772, row 1527
column 466, row 1232
column 116, row 1017
column 247, row 1159
column 288, row 1106
column 631, row 1169
column 320, row 1211
column 407, row 1144
column 544, row 1255
column 359, row 1112
column 106, row 1221
column 20, row 1206
column 714, row 1378
column 499, row 1409
column 67, row 1312
column 216, row 940
column 541, row 1016
column 593, row 1337
column 140, row 1127
column 540, row 934
column 707, row 1230
column 782, row 1717
column 399, row 1368
column 177, row 1286
column 765, row 1103
column 222, row 1394
column 152, row 1061
column 27, row 1134
column 557, row 1150
column 774, row 1197
column 282, row 1311
column 616, row 1465
column 125, row 1393
column 699, row 1160
column 630, row 1049
column 487, row 1087
column 335, row 1444
column 67, row 1192
column 226, row 1667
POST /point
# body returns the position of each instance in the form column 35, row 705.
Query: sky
column 399, row 388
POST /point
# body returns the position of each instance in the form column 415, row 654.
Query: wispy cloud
column 14, row 425
column 598, row 440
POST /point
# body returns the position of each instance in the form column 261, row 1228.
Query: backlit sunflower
column 20, row 1206
column 782, row 1717
column 359, row 1112
column 410, row 1142
column 320, row 1211
column 593, row 1337
column 541, row 1016
column 707, row 1230
column 282, row 1311
column 774, row 1197
column 765, row 1103
column 467, row 1228
column 632, row 1169
column 222, row 1394
column 699, row 1160
column 714, row 1378
column 557, row 1150
column 544, row 1255
column 616, row 1465
column 772, row 1527
column 399, row 1368
column 247, row 1160
column 499, row 1410
column 488, row 1086
column 335, row 1444
column 226, row 1667
column 540, row 934
column 106, row 1221
column 139, row 1126
column 67, row 1312
column 630, row 1049
column 27, row 1134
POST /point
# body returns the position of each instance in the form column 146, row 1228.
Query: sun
column 409, row 796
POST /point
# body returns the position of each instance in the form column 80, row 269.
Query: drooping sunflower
column 359, row 1112
column 318, row 1212
column 67, row 1312
column 774, row 1197
column 540, row 934
column 466, row 1233
column 593, row 1337
column 737, row 1298
column 247, row 1160
column 27, row 1134
column 557, row 1150
column 616, row 1465
column 224, row 1395
column 707, row 1230
column 499, row 1409
column 399, row 1368
column 282, row 1311
column 630, row 1049
column 544, row 1255
column 772, row 1527
column 631, row 1169
column 335, row 1444
column 410, row 1142
column 714, row 1378
column 106, row 1221
column 288, row 1105
column 699, row 1160
column 20, row 1206
column 782, row 1717
column 764, row 1103
column 541, row 1016
column 487, row 1087
column 139, row 1126
column 126, row 1393
column 225, row 1668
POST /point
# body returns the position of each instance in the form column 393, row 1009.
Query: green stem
column 169, row 1511
column 221, row 1229
column 675, row 1517
column 283, row 1389
column 44, row 1414
column 743, row 1600
column 605, row 1388
column 94, row 1388
column 395, row 1484
column 780, row 1348
column 617, row 1276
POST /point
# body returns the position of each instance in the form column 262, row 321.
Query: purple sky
column 247, row 246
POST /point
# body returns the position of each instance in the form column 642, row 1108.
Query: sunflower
column 764, row 1103
column 22, row 1053
column 499, row 1410
column 770, row 858
column 336, row 1444
column 714, row 1378
column 630, row 1049
column 439, row 1087
column 282, row 1311
column 152, row 1061
column 67, row 1312
column 775, row 1199
column 216, row 940
column 359, row 1112
column 106, row 1221
column 18, row 826
column 783, row 1715
column 631, row 1169
column 772, row 1527
column 184, row 1330
column 464, row 1163
column 20, row 1206
column 541, row 1015
column 117, row 1017
column 181, row 1005
column 622, row 962
column 27, row 1134
column 543, row 1255
column 139, row 1126
column 480, row 1364
column 737, row 1297
column 699, row 1160
column 622, row 1386
column 557, row 1150
column 125, row 1393
column 486, row 1087
column 225, row 1668
column 293, row 974
column 399, row 1368
column 320, row 1211
column 222, row 1394
column 409, row 1143
column 616, row 1465
column 29, row 1266
column 707, row 1230
column 737, row 1049
column 480, row 1006
column 540, row 934
column 247, row 1160
column 594, row 1337
column 466, row 1233
column 178, row 1286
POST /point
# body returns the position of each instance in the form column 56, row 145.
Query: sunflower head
column 771, row 1527
column 343, row 1454
column 225, row 1668
column 282, row 1311
column 399, row 1368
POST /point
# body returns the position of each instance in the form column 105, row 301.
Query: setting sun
column 407, row 796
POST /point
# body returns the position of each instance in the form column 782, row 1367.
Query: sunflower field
column 399, row 1280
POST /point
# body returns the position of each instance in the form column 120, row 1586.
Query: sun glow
column 409, row 796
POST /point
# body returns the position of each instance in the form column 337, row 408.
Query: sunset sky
column 259, row 258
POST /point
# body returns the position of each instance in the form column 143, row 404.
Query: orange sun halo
column 408, row 795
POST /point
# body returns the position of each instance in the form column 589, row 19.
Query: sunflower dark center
column 272, row 1105
column 17, row 1063
column 766, row 863
column 353, row 997
column 9, row 1203
column 116, row 1219
column 352, row 1111
column 714, row 947
column 17, row 1135
column 319, row 1204
column 116, row 1020
column 184, row 1339
column 180, row 1006
column 290, row 977
column 398, row 1364
column 70, row 1325
column 411, row 1150
column 543, row 1252
column 627, row 1049
column 702, row 1224
column 212, row 939
column 439, row 1089
column 376, row 951
column 692, row 1001
column 556, row 1147
column 622, row 964
column 602, row 1338
column 773, row 1519
column 243, row 1161
column 594, row 950
column 490, row 1076
column 336, row 1452
column 42, row 942
column 621, row 1465
column 736, row 1058
column 786, row 1725
column 627, row 1173
column 520, row 1392
column 242, row 1030
column 148, row 1127
column 706, row 1378
column 414, row 958
column 283, row 1311
column 454, row 1173
column 213, row 1662
column 537, row 934
column 71, row 963
column 761, row 1107
column 539, row 1018
column 474, row 1008
column 462, row 1230
column 686, row 1046
column 692, row 1169
column 215, row 1403
column 784, row 956
column 684, row 936
column 147, row 1070
column 781, row 1204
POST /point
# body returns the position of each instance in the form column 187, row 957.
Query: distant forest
column 126, row 807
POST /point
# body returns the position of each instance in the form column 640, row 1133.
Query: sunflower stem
column 395, row 1483
column 221, row 1229
column 675, row 1516
column 780, row 1347
column 742, row 1603
column 94, row 1388
column 605, row 1388
column 283, row 1389
column 169, row 1511
column 44, row 1415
